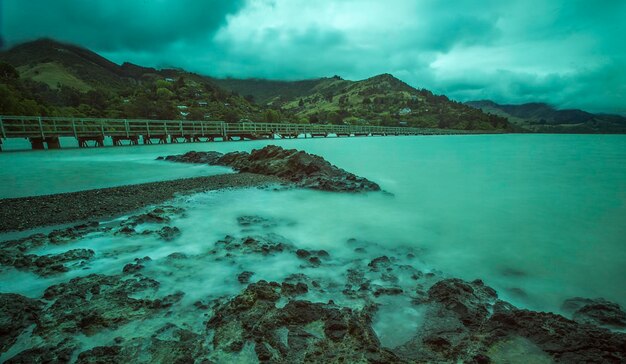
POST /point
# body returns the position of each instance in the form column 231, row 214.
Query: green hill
column 58, row 79
column 50, row 78
column 380, row 100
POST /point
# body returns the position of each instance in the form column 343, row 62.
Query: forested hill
column 383, row 99
column 49, row 78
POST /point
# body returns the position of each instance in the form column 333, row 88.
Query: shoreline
column 25, row 213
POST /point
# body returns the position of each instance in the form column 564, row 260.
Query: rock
column 95, row 302
column 303, row 169
column 59, row 353
column 169, row 344
column 393, row 291
column 195, row 157
column 458, row 327
column 168, row 233
column 244, row 277
column 263, row 245
column 596, row 312
column 16, row 314
column 301, row 331
column 136, row 266
column 45, row 265
column 470, row 302
column 289, row 289
column 380, row 262
column 564, row 340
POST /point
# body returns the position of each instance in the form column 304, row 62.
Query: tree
column 314, row 119
column 231, row 116
column 301, row 103
column 8, row 72
column 271, row 116
column 164, row 94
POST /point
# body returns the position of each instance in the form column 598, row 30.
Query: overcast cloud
column 570, row 53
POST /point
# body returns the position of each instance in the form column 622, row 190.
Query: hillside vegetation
column 49, row 78
column 380, row 100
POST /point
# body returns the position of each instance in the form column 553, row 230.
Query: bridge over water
column 45, row 132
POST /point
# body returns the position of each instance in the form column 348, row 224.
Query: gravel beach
column 29, row 212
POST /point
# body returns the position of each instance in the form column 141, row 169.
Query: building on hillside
column 405, row 111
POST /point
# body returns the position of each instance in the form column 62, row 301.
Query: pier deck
column 44, row 132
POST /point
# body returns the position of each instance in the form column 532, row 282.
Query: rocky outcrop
column 465, row 322
column 301, row 331
column 16, row 254
column 94, row 302
column 16, row 314
column 302, row 169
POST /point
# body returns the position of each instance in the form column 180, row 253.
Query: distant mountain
column 382, row 99
column 541, row 117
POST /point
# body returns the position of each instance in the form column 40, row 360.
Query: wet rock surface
column 16, row 314
column 333, row 308
column 303, row 169
column 301, row 331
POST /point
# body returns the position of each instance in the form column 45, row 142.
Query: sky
column 569, row 53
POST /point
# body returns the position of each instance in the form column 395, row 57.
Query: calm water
column 541, row 218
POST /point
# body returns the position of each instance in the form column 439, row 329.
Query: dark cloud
column 110, row 25
column 566, row 52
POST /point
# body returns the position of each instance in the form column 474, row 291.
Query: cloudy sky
column 570, row 53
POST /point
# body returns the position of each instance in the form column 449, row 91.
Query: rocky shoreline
column 307, row 316
column 30, row 212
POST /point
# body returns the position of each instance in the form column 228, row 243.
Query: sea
column 540, row 218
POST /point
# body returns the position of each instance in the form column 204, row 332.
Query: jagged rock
column 596, row 312
column 256, row 245
column 59, row 353
column 169, row 233
column 244, row 277
column 195, row 157
column 380, row 262
column 95, row 302
column 459, row 327
column 303, row 169
column 169, row 344
column 564, row 340
column 45, row 265
column 16, row 314
column 301, row 331
column 136, row 266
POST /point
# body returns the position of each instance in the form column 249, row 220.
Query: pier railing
column 41, row 130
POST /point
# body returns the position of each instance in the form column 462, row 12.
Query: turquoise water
column 541, row 218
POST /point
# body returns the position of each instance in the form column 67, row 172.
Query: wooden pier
column 44, row 132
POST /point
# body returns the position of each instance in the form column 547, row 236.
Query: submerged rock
column 303, row 169
column 596, row 312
